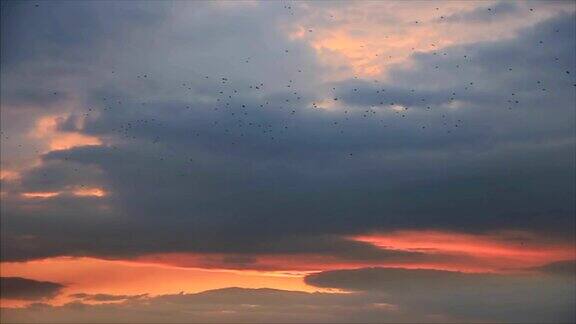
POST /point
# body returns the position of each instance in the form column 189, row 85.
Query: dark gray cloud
column 387, row 295
column 567, row 268
column 32, row 33
column 229, row 305
column 485, row 14
column 483, row 297
column 28, row 289
column 196, row 164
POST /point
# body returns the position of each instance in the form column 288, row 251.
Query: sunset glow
column 93, row 276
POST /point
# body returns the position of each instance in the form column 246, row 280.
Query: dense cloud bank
column 200, row 166
column 508, row 298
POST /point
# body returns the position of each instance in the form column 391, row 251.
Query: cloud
column 241, row 179
column 483, row 297
column 486, row 13
column 382, row 295
column 566, row 267
column 200, row 123
column 229, row 305
column 28, row 289
column 105, row 297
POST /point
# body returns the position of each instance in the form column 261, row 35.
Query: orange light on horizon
column 41, row 195
column 93, row 276
column 168, row 273
column 79, row 192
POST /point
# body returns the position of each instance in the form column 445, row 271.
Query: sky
column 288, row 161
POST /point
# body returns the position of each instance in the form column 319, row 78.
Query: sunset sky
column 288, row 161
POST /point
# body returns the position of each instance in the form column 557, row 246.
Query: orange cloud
column 46, row 130
column 369, row 37
column 277, row 265
column 441, row 250
column 89, row 192
column 76, row 191
column 9, row 175
column 490, row 252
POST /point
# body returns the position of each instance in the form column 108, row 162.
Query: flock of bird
column 244, row 116
column 237, row 118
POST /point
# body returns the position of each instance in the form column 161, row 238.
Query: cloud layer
column 296, row 137
column 480, row 166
